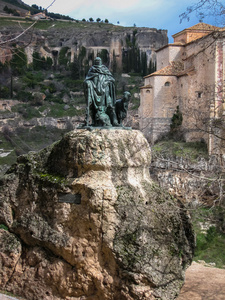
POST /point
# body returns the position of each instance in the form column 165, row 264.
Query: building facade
column 189, row 76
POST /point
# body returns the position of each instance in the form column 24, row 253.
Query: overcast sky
column 160, row 14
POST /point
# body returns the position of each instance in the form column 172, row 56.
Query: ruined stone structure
column 189, row 75
column 92, row 37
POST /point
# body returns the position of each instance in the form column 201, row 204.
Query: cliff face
column 86, row 221
column 93, row 36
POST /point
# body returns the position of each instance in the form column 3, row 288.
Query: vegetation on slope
column 208, row 219
column 209, row 226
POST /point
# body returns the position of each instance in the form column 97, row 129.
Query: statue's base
column 90, row 128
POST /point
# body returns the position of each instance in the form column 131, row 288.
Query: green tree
column 114, row 66
column 41, row 63
column 152, row 67
column 131, row 57
column 144, row 67
column 75, row 69
column 104, row 54
column 18, row 62
column 63, row 56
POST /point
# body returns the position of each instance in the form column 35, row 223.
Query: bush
column 24, row 96
column 4, row 92
column 41, row 63
column 176, row 120
column 210, row 246
column 52, row 88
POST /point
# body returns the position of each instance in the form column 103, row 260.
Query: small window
column 167, row 83
column 148, row 91
column 199, row 94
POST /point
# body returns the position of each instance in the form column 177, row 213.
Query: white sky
column 160, row 14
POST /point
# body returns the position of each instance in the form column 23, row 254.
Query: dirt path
column 203, row 283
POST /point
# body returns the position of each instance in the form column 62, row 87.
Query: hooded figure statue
column 99, row 90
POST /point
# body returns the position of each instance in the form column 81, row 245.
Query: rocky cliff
column 82, row 219
column 83, row 38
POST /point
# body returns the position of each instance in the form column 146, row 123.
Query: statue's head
column 98, row 61
column 126, row 96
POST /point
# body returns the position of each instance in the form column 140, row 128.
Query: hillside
column 43, row 64
column 14, row 4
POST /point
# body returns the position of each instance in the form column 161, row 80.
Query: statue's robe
column 100, row 87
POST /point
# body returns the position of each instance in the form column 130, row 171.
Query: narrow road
column 203, row 283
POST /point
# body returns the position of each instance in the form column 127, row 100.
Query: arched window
column 167, row 83
column 148, row 91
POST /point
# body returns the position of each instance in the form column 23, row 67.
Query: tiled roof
column 148, row 86
column 203, row 26
column 173, row 69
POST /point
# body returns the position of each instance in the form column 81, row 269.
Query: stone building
column 190, row 75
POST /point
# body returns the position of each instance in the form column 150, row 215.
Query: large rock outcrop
column 85, row 221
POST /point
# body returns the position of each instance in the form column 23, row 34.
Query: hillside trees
column 11, row 11
column 133, row 59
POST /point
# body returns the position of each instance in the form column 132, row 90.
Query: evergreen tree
column 75, row 69
column 19, row 61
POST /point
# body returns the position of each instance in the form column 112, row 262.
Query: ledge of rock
column 82, row 219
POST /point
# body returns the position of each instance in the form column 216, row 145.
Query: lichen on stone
column 124, row 239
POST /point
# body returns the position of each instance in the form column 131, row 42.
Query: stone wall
column 196, row 87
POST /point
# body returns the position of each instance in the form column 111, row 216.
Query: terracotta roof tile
column 203, row 26
column 173, row 69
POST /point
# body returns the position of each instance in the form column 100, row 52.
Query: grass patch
column 190, row 150
column 27, row 111
column 56, row 110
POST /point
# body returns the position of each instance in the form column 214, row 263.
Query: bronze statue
column 99, row 90
column 122, row 107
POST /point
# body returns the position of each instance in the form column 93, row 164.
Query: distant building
column 190, row 75
column 40, row 16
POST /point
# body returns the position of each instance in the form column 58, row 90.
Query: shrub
column 4, row 92
column 24, row 96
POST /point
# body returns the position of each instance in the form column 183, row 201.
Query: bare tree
column 205, row 8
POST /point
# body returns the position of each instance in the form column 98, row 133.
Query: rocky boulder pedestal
column 82, row 219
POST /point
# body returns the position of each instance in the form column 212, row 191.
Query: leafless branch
column 24, row 31
column 51, row 4
column 18, row 36
column 204, row 8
